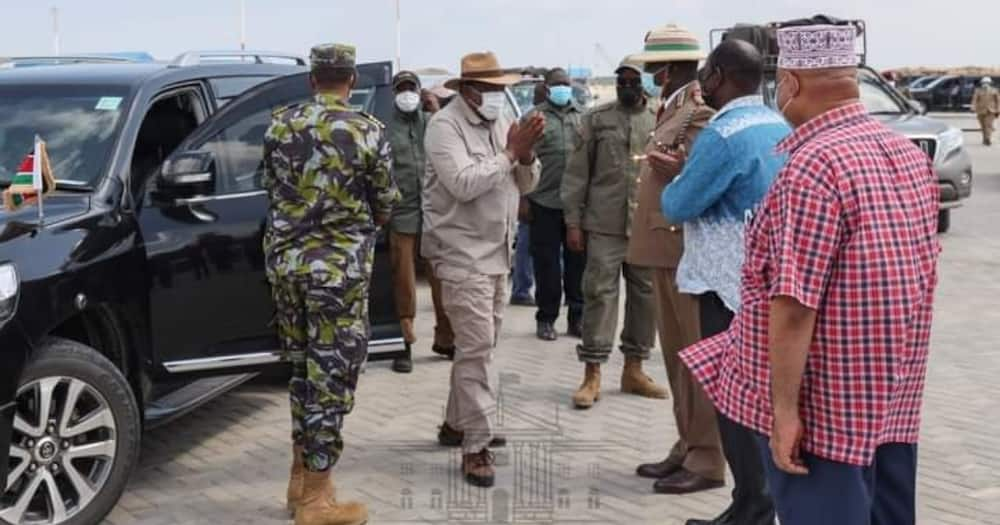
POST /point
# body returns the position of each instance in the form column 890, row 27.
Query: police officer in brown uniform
column 696, row 461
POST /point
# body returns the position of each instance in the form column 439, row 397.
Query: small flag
column 32, row 181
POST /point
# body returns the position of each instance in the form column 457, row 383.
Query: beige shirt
column 471, row 191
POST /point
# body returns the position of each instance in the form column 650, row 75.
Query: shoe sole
column 682, row 492
column 476, row 481
column 579, row 406
column 492, row 444
column 640, row 394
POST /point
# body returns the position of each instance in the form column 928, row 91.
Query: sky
column 436, row 33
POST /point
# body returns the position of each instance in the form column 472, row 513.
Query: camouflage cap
column 333, row 56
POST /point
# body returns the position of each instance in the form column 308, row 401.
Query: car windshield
column 876, row 98
column 77, row 123
column 524, row 94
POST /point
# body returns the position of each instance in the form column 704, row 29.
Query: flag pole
column 55, row 30
column 398, row 38
column 243, row 25
column 37, row 179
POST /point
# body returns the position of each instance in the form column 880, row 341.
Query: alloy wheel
column 61, row 452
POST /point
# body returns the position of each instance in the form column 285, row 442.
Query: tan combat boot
column 634, row 381
column 318, row 505
column 590, row 391
column 295, row 480
column 406, row 325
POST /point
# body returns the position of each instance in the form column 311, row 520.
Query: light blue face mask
column 560, row 95
column 649, row 85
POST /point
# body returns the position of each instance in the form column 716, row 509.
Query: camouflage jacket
column 327, row 172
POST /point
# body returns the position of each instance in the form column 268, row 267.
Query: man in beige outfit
column 986, row 104
column 695, row 462
column 479, row 163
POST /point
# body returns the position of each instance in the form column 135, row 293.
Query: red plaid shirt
column 849, row 229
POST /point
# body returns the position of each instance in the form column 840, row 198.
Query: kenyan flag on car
column 33, row 179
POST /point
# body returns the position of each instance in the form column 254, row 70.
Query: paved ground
column 227, row 462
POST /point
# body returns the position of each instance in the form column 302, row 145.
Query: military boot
column 590, row 391
column 319, row 505
column 295, row 480
column 634, row 381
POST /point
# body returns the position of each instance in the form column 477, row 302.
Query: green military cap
column 405, row 76
column 333, row 56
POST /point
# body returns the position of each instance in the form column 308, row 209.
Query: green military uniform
column 599, row 193
column 406, row 135
column 327, row 174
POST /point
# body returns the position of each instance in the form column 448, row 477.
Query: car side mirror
column 187, row 174
column 917, row 106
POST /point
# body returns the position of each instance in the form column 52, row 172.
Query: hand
column 574, row 239
column 429, row 101
column 524, row 210
column 786, row 444
column 666, row 165
column 522, row 137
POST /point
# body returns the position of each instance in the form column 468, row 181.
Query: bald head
column 733, row 70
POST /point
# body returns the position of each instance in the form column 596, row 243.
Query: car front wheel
column 75, row 441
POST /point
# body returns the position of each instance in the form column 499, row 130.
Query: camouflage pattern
column 333, row 56
column 327, row 171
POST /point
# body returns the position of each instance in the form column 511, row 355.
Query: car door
column 211, row 307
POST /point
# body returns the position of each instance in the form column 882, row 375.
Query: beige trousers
column 986, row 121
column 698, row 447
column 474, row 304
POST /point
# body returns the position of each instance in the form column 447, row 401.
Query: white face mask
column 493, row 103
column 407, row 101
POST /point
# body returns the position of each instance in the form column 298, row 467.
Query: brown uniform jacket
column 655, row 243
column 986, row 100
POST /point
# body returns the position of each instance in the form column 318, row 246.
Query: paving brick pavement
column 227, row 462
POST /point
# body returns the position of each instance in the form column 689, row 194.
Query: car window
column 228, row 88
column 78, row 123
column 239, row 148
column 876, row 98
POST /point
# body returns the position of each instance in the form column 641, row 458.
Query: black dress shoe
column 402, row 365
column 685, row 482
column 444, row 351
column 546, row 331
column 726, row 518
column 659, row 470
column 449, row 437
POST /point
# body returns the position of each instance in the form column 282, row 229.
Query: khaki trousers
column 601, row 287
column 698, row 447
column 474, row 303
column 986, row 121
column 403, row 250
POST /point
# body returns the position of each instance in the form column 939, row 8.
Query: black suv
column 141, row 293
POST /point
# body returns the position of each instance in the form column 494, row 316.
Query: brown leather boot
column 295, row 480
column 634, row 381
column 406, row 325
column 590, row 391
column 319, row 506
column 478, row 468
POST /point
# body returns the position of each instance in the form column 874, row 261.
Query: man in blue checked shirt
column 730, row 168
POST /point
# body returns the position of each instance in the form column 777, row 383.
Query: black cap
column 405, row 76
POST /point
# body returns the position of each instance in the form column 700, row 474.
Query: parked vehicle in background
column 920, row 82
column 143, row 293
column 949, row 92
column 524, row 93
column 944, row 144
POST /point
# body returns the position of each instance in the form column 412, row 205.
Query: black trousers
column 557, row 268
column 752, row 503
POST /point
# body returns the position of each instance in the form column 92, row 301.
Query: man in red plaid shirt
column 827, row 358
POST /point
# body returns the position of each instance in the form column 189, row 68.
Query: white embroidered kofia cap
column 817, row 47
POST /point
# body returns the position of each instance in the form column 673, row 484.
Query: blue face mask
column 560, row 95
column 649, row 85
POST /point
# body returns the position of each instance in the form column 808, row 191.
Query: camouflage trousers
column 324, row 333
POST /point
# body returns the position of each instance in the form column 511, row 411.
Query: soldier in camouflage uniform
column 328, row 176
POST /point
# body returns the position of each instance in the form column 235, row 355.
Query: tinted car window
column 239, row 148
column 228, row 88
column 78, row 123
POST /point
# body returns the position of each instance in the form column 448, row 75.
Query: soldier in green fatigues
column 328, row 177
column 599, row 191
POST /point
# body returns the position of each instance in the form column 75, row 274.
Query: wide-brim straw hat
column 670, row 43
column 482, row 67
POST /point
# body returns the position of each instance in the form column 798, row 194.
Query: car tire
column 96, row 446
column 944, row 221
